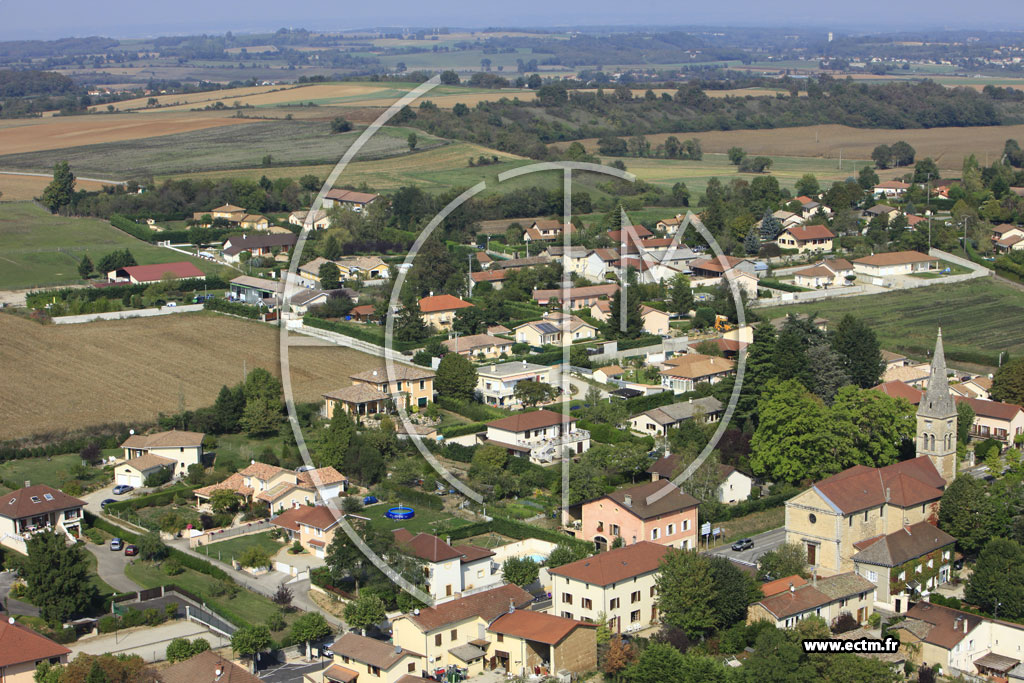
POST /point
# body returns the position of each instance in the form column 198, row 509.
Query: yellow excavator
column 722, row 323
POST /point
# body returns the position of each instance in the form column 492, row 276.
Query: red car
column 131, row 550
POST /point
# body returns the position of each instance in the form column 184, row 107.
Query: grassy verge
column 752, row 524
column 225, row 551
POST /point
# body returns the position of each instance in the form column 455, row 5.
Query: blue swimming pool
column 401, row 512
column 538, row 558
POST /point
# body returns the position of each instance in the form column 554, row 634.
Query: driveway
column 110, row 566
column 765, row 542
column 288, row 672
column 149, row 642
column 10, row 604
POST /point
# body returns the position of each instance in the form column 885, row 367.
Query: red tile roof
column 200, row 669
column 910, row 482
column 20, row 644
column 802, row 233
column 947, row 628
column 156, row 271
column 991, row 409
column 487, row 605
column 535, row 419
column 615, row 565
column 898, row 389
column 782, row 585
column 715, row 264
column 895, row 258
column 650, row 499
column 370, row 651
column 442, row 302
column 536, row 626
column 425, row 546
column 35, row 500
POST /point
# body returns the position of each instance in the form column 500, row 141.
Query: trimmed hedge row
column 468, row 409
column 645, row 340
column 232, row 308
column 781, row 286
column 750, row 506
column 462, row 430
column 143, row 232
column 373, row 334
column 107, row 436
column 519, row 531
column 149, row 500
column 606, row 433
column 43, row 297
column 408, row 496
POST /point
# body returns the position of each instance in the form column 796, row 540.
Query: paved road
column 763, row 543
column 293, row 671
column 110, row 566
column 149, row 642
column 14, row 606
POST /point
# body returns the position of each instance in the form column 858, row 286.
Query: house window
column 372, row 670
column 501, row 637
column 903, row 576
column 412, row 667
column 866, row 513
column 931, row 563
column 654, row 591
column 655, row 533
column 686, row 525
column 565, row 615
column 454, row 634
column 670, row 529
column 634, row 616
column 872, row 576
column 614, row 604
column 423, row 384
column 567, row 598
column 634, row 597
column 587, row 603
column 437, row 640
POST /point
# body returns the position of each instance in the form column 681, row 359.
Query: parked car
column 131, row 550
column 171, row 304
column 106, row 501
column 369, row 500
column 202, row 298
column 122, row 488
column 116, row 544
column 743, row 544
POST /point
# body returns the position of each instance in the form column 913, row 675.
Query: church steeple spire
column 937, row 400
column 936, row 418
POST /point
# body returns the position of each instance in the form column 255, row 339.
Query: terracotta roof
column 289, row 519
column 906, row 373
column 537, row 626
column 810, row 232
column 201, row 668
column 471, row 342
column 645, row 506
column 337, row 672
column 279, row 490
column 487, row 605
column 897, row 389
column 839, row 264
column 606, row 254
column 782, row 585
column 534, row 419
column 172, row 439
column 401, row 371
column 724, row 345
column 370, row 651
column 611, row 370
column 20, row 644
column 571, row 293
column 261, row 471
column 790, row 603
column 35, row 500
column 891, row 356
column 947, row 627
column 991, row 409
column 323, row 475
column 148, row 461
column 226, row 208
column 697, row 365
column 665, row 466
column 316, row 516
column 910, row 482
column 893, row 185
column 982, row 381
column 472, row 553
column 904, row 545
column 233, row 483
column 483, row 258
column 498, row 329
column 815, row 271
column 1010, row 241
column 715, row 264
column 350, row 196
column 489, row 276
column 442, row 302
column 894, row 258
column 615, row 565
column 357, row 393
column 913, row 220
column 155, row 272
column 1004, row 228
column 525, row 262
column 425, row 546
column 633, row 232
column 365, row 309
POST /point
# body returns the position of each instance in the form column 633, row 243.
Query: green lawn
column 152, row 515
column 426, row 520
column 55, row 471
column 38, row 249
column 225, row 551
column 979, row 318
column 246, row 605
column 235, row 451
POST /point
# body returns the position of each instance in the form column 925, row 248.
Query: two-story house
column 828, row 598
column 547, row 231
column 497, row 383
column 575, row 298
column 279, row 488
column 312, row 526
column 455, row 632
column 994, row 419
column 525, row 642
column 557, row 329
column 439, row 311
column 656, row 511
column 378, row 390
column 541, row 435
column 657, row 421
column 618, row 583
column 357, row 657
column 38, row 509
column 449, row 570
column 175, row 448
column 479, row 346
column 682, row 373
column 350, row 199
column 825, row 273
column 905, row 564
column 733, row 486
column 806, row 238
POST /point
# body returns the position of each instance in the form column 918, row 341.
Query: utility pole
column 929, row 232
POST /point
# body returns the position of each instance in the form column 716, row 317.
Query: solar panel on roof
column 547, row 328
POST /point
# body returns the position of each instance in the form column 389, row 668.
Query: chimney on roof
column 511, row 606
column 431, row 293
column 886, row 494
column 792, row 588
column 814, row 578
column 628, row 501
column 28, row 482
column 965, row 624
column 494, row 368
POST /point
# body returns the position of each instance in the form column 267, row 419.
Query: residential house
column 541, row 435
column 354, row 201
column 483, row 258
column 439, row 311
column 363, row 313
column 670, row 226
column 497, row 330
column 913, row 221
column 787, row 218
column 656, row 511
column 733, row 487
column 269, row 244
column 977, row 387
column 35, row 509
column 648, row 269
column 898, row 389
column 155, row 272
column 302, row 302
column 547, row 231
column 995, row 420
column 627, row 238
column 914, row 374
column 619, row 584
column 450, row 571
column 959, row 641
column 558, row 329
column 278, row 487
column 519, row 263
column 599, row 263
column 715, row 267
column 318, row 221
column 22, row 650
column 357, row 657
column 175, row 446
column 136, row 471
column 312, row 526
column 455, row 632
column 254, row 221
column 877, row 267
column 825, row 273
column 655, row 321
column 909, row 562
column 497, row 382
column 1006, row 237
column 227, row 212
column 575, row 298
column 810, row 207
column 479, row 346
column 657, row 421
column 683, row 373
column 373, row 391
column 206, row 667
column 891, row 188
column 495, row 277
column 806, row 238
column 728, row 348
column 363, row 268
column 524, row 642
column 255, row 291
column 827, row 598
column 608, row 372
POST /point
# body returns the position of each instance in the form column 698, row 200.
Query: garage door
column 130, row 478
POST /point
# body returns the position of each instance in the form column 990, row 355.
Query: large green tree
column 58, row 577
column 249, row 641
column 734, row 591
column 998, row 579
column 456, row 377
column 629, row 302
column 59, row 192
column 332, row 443
column 308, row 628
column 860, row 350
column 330, row 275
column 968, row 513
column 262, row 413
column 686, row 593
column 759, row 369
column 785, row 560
column 1008, row 383
column 682, row 295
column 874, row 424
column 522, row 571
column 365, row 611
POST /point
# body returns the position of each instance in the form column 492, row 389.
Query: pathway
column 50, row 175
column 14, row 606
column 110, row 566
column 149, row 642
column 122, row 315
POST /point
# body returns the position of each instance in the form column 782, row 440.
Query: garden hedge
column 232, row 308
column 519, row 531
column 164, row 497
column 409, row 496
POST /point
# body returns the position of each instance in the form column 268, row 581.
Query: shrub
column 107, row 623
column 173, row 567
column 158, row 478
column 179, row 650
column 95, row 536
column 276, row 622
column 254, row 557
column 296, row 548
column 171, row 610
column 154, row 616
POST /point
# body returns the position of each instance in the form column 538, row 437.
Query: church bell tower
column 936, row 419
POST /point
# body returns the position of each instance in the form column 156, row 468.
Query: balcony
column 550, row 450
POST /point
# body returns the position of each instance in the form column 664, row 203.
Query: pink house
column 656, row 511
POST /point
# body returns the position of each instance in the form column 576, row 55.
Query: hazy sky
column 121, row 18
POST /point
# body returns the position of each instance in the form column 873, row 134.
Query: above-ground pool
column 538, row 558
column 401, row 512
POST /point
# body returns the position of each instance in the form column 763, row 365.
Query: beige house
column 547, row 231
column 22, row 649
column 657, row 421
column 374, row 391
column 280, row 488
column 312, row 526
column 181, row 447
column 439, row 311
column 683, row 373
column 455, row 632
column 824, row 274
column 734, row 486
column 805, row 238
column 38, row 509
column 136, row 471
column 319, row 220
column 877, row 267
column 497, row 383
column 558, row 329
column 608, row 372
column 670, row 226
column 450, row 570
column 541, row 435
column 995, row 420
column 368, row 659
column 198, row 668
column 575, row 298
column 479, row 346
column 827, row 598
column 523, row 642
column 655, row 321
column 349, row 199
column 618, row 583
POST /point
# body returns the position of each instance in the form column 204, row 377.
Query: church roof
column 937, row 402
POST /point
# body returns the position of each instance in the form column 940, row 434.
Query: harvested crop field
column 57, row 132
column 948, row 146
column 17, row 188
column 145, row 366
column 230, row 94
